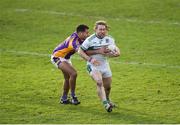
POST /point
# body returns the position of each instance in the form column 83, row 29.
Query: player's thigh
column 96, row 76
column 67, row 68
column 107, row 82
column 66, row 75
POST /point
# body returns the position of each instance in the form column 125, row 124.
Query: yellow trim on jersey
column 70, row 43
column 65, row 51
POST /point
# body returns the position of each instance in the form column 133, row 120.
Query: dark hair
column 81, row 28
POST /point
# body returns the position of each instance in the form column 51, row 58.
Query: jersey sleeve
column 75, row 44
column 112, row 40
column 85, row 45
column 72, row 43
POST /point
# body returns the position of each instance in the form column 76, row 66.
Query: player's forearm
column 113, row 54
column 92, row 52
column 83, row 54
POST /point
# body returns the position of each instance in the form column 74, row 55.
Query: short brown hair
column 101, row 22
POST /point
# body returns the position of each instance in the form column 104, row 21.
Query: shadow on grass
column 47, row 112
column 117, row 116
column 91, row 113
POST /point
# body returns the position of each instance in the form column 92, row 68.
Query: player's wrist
column 99, row 51
column 90, row 59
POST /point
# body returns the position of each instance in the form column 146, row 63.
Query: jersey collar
column 80, row 41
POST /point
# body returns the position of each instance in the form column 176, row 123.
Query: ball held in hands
column 112, row 48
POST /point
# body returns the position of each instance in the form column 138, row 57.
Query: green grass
column 146, row 82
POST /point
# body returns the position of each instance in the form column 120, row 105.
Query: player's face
column 101, row 31
column 84, row 34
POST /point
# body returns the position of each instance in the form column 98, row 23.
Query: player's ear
column 94, row 28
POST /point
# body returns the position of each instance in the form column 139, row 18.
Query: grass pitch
column 146, row 82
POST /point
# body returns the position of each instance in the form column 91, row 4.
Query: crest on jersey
column 100, row 42
column 107, row 40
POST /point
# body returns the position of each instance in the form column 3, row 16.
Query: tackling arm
column 83, row 54
column 103, row 50
column 87, row 58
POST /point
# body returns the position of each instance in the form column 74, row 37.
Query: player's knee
column 99, row 83
column 108, row 89
column 66, row 79
column 73, row 74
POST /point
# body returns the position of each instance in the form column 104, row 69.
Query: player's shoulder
column 73, row 35
column 91, row 37
column 110, row 37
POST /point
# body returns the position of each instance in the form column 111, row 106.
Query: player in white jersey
column 95, row 51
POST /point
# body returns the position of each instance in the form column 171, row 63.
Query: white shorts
column 56, row 61
column 104, row 70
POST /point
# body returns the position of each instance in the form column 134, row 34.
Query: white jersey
column 93, row 43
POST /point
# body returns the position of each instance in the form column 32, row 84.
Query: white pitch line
column 77, row 57
column 98, row 17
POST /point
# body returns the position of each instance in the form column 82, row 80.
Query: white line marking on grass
column 77, row 58
column 98, row 17
column 25, row 53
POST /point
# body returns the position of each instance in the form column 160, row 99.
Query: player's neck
column 99, row 36
column 79, row 37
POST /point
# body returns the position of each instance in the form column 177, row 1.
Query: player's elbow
column 79, row 51
column 117, row 54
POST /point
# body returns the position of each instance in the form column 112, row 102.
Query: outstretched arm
column 103, row 50
column 87, row 58
column 83, row 54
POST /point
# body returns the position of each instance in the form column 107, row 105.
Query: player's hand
column 103, row 50
column 94, row 62
column 112, row 54
column 115, row 53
